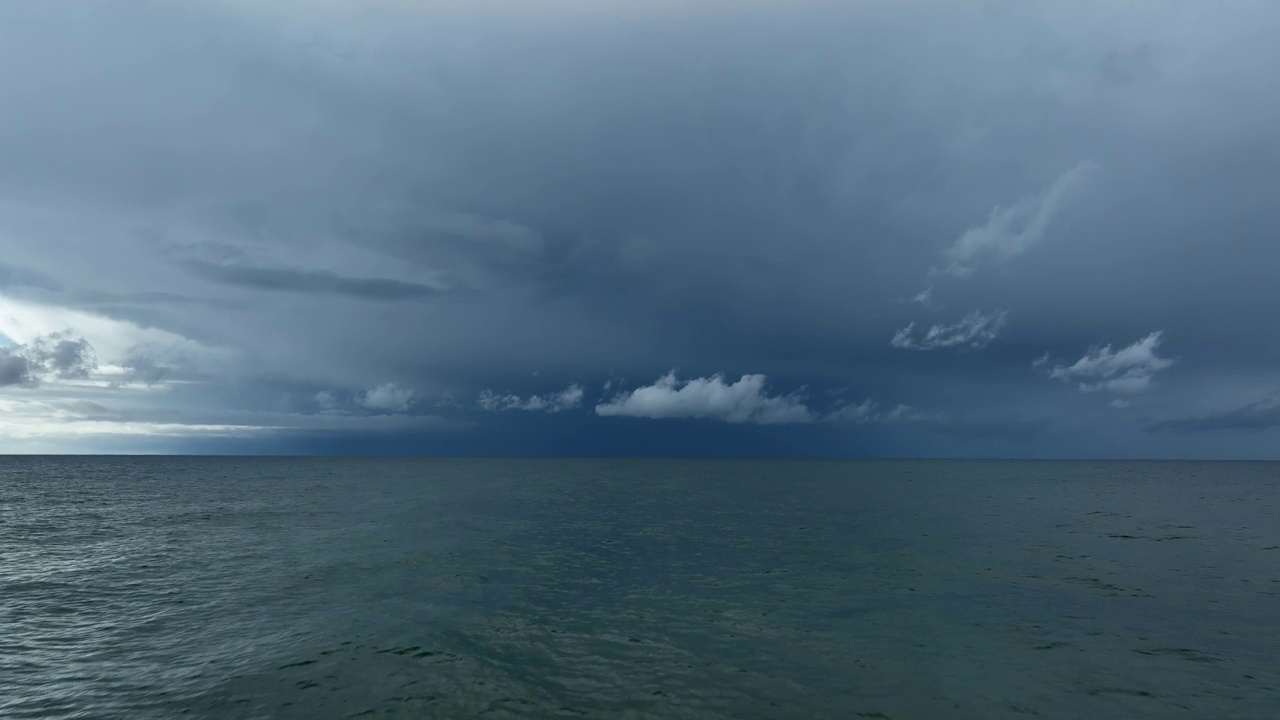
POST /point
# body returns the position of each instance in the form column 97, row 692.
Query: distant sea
column 335, row 588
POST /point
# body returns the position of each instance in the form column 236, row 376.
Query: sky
column 556, row 227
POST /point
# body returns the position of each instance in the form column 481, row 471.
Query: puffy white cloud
column 744, row 401
column 1010, row 230
column 37, row 324
column 1128, row 370
column 974, row 330
column 388, row 397
column 570, row 397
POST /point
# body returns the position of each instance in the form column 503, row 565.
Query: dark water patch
column 1126, row 692
column 1182, row 653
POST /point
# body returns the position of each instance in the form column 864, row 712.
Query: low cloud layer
column 744, row 401
column 1257, row 416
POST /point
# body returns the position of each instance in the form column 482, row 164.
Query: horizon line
column 789, row 458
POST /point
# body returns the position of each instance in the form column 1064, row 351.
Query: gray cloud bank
column 57, row 355
column 326, row 214
column 1258, row 416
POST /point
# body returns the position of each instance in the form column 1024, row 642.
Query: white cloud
column 1043, row 359
column 1128, row 370
column 23, row 419
column 489, row 400
column 1011, row 229
column 1008, row 232
column 326, row 400
column 388, row 397
column 569, row 398
column 710, row 397
column 975, row 330
column 28, row 323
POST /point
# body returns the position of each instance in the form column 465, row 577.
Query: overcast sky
column 856, row 228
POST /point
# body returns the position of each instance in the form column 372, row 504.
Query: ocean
column 158, row 587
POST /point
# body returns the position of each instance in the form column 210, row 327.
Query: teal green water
column 320, row 588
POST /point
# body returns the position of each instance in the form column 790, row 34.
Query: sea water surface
column 336, row 588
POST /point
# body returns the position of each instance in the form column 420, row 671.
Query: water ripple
column 234, row 588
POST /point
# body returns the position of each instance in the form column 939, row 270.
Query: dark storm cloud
column 142, row 367
column 261, row 204
column 1256, row 416
column 57, row 355
column 309, row 281
column 15, row 369
column 1017, row 430
column 65, row 356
